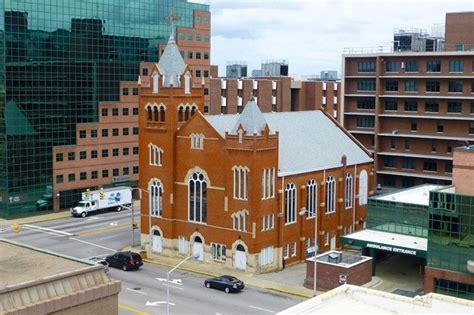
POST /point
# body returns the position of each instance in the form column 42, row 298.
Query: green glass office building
column 59, row 58
column 451, row 243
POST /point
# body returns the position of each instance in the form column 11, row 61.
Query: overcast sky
column 311, row 34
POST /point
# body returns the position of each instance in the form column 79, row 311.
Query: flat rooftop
column 351, row 299
column 419, row 195
column 342, row 259
column 465, row 148
column 22, row 264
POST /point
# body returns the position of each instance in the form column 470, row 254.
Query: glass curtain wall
column 59, row 58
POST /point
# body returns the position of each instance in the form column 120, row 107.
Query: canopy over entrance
column 386, row 241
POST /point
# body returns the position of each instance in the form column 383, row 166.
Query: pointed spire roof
column 171, row 63
column 251, row 119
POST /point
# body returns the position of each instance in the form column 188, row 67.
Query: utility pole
column 133, row 222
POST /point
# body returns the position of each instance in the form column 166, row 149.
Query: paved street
column 143, row 291
column 95, row 235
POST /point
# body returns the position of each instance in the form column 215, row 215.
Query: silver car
column 98, row 261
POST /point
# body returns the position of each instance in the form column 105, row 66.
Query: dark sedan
column 225, row 283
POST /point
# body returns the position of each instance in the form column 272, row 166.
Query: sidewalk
column 63, row 214
column 38, row 218
column 248, row 278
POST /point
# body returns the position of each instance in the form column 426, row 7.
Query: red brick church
column 242, row 190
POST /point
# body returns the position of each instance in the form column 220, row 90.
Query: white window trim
column 195, row 210
column 293, row 249
column 349, row 188
column 216, row 257
column 268, row 183
column 363, row 187
column 197, row 141
column 155, row 204
column 266, row 256
column 268, row 222
column 286, row 251
column 155, row 155
column 330, row 195
column 312, row 199
column 290, row 209
column 240, row 182
column 240, row 220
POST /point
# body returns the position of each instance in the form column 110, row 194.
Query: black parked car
column 225, row 283
column 125, row 260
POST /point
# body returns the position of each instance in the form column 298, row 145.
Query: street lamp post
column 133, row 221
column 168, row 280
column 315, row 252
column 302, row 213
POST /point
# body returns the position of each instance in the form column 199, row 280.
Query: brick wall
column 328, row 274
column 463, row 171
column 431, row 274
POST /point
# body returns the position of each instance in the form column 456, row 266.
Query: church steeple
column 171, row 65
column 251, row 120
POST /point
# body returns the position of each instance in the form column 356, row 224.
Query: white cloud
column 312, row 34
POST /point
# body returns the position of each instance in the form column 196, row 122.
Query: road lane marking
column 133, row 309
column 104, row 229
column 93, row 218
column 107, row 237
column 262, row 309
column 44, row 229
column 92, row 244
column 174, row 281
column 45, row 232
column 157, row 303
column 171, row 286
column 137, row 291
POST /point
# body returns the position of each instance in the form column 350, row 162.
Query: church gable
column 198, row 125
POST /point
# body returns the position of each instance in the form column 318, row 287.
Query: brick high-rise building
column 459, row 31
column 105, row 153
column 411, row 109
column 273, row 94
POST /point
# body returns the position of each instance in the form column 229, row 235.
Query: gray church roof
column 171, row 63
column 308, row 140
column 251, row 119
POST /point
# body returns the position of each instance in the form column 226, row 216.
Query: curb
column 39, row 220
column 290, row 293
column 180, row 268
column 132, row 309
